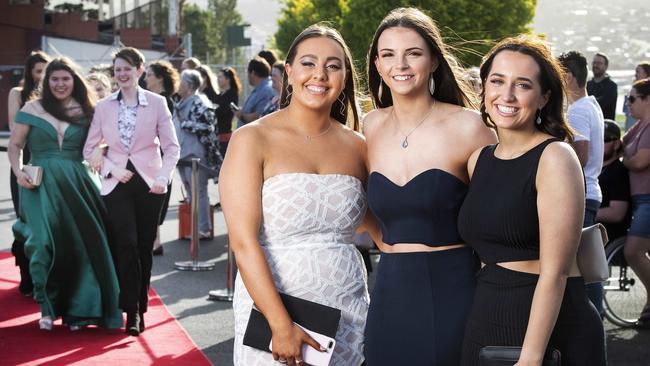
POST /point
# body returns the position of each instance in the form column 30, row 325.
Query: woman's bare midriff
column 533, row 267
column 413, row 247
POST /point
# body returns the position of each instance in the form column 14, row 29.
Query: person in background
column 136, row 126
column 62, row 220
column 18, row 96
column 636, row 158
column 262, row 93
column 106, row 69
column 230, row 86
column 276, row 82
column 190, row 63
column 162, row 78
column 270, row 56
column 523, row 215
column 586, row 118
column 194, row 124
column 602, row 87
column 100, row 83
column 209, row 86
column 642, row 71
column 614, row 212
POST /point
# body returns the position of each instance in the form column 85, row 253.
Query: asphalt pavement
column 210, row 324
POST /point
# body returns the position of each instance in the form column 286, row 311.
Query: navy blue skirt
column 419, row 306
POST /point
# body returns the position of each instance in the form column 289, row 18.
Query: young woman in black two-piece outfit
column 523, row 215
column 419, row 140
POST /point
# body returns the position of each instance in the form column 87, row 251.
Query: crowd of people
column 474, row 186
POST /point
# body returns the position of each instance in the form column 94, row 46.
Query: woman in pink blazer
column 134, row 124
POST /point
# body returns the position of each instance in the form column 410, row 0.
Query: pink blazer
column 153, row 129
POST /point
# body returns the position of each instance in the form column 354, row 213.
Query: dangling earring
column 432, row 85
column 287, row 99
column 341, row 100
column 380, row 92
column 539, row 117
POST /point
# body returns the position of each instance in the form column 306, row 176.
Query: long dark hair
column 233, row 79
column 208, row 77
column 79, row 93
column 29, row 84
column 551, row 80
column 450, row 86
column 347, row 95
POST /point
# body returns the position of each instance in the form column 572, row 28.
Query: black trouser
column 133, row 213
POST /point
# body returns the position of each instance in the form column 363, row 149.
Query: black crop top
column 499, row 216
column 423, row 211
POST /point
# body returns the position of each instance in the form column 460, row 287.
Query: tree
column 198, row 22
column 225, row 14
column 299, row 14
column 208, row 27
column 470, row 26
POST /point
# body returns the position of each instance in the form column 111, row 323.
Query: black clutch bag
column 508, row 356
column 313, row 316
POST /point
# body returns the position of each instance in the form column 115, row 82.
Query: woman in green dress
column 62, row 219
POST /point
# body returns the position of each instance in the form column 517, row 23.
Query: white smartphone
column 314, row 357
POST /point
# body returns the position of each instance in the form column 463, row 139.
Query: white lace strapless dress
column 308, row 222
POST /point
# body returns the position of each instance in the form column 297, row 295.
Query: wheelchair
column 624, row 294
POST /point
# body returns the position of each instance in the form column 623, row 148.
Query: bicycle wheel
column 624, row 294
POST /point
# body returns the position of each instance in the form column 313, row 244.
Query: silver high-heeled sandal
column 45, row 323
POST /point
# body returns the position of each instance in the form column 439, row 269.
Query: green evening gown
column 62, row 224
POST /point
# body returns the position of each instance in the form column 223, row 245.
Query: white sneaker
column 45, row 323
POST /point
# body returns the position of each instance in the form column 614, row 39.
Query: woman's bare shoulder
column 33, row 106
column 15, row 92
column 373, row 119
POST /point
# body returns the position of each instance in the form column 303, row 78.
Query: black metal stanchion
column 227, row 293
column 194, row 264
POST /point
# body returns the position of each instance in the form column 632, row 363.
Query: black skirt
column 501, row 309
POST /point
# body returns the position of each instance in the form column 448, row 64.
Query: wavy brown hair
column 80, row 93
column 348, row 95
column 450, row 85
column 165, row 70
column 29, row 84
column 551, row 79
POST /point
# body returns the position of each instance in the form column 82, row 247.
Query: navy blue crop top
column 423, row 211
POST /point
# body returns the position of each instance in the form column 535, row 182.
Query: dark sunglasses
column 633, row 98
column 610, row 139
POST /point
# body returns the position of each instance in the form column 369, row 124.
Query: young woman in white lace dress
column 292, row 191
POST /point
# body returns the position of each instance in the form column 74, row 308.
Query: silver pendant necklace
column 309, row 137
column 405, row 142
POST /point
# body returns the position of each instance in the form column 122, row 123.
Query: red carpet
column 164, row 342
